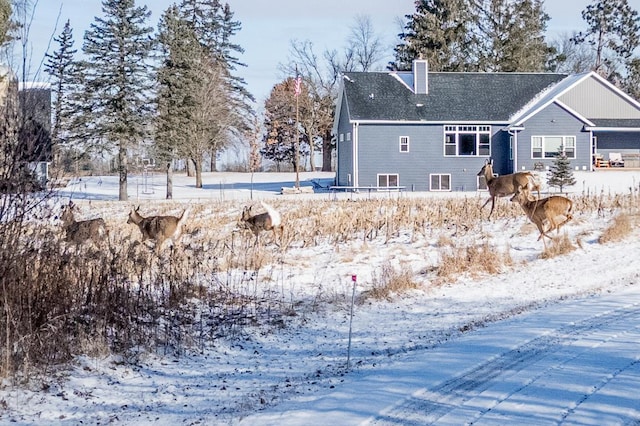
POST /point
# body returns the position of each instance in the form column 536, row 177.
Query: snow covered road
column 577, row 362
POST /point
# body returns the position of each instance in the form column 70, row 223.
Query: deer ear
column 491, row 161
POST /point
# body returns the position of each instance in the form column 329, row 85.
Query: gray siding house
column 433, row 131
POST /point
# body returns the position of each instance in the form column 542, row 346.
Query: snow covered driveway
column 577, row 362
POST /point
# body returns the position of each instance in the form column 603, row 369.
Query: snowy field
column 546, row 341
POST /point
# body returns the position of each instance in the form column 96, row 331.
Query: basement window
column 385, row 180
column 467, row 140
column 440, row 182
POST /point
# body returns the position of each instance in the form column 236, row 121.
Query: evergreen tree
column 613, row 31
column 5, row 21
column 62, row 68
column 179, row 80
column 215, row 27
column 439, row 31
column 467, row 35
column 118, row 82
column 560, row 173
column 511, row 34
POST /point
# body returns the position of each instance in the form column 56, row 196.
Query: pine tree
column 613, row 31
column 466, row 35
column 511, row 35
column 439, row 32
column 118, row 81
column 62, row 67
column 560, row 173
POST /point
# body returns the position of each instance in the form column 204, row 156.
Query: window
column 348, row 136
column 440, row 182
column 550, row 146
column 404, row 143
column 341, row 137
column 467, row 140
column 388, row 180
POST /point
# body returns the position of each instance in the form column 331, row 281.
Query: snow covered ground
column 547, row 341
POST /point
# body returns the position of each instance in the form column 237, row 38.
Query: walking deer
column 79, row 232
column 268, row 221
column 158, row 228
column 502, row 186
column 554, row 211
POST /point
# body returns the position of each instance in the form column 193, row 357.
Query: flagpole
column 297, row 141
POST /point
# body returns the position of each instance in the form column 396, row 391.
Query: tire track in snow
column 430, row 405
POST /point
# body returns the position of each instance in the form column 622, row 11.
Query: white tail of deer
column 158, row 228
column 553, row 211
column 79, row 232
column 505, row 185
column 269, row 221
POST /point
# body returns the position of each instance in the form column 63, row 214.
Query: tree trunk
column 214, row 160
column 198, row 168
column 326, row 152
column 190, row 168
column 169, row 180
column 312, row 160
column 122, row 169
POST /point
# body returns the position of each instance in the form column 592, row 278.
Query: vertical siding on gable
column 608, row 105
column 344, row 166
column 553, row 121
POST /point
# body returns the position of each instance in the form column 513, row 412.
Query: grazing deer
column 502, row 186
column 548, row 210
column 158, row 228
column 79, row 232
column 268, row 221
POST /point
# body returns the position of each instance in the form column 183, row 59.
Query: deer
column 543, row 211
column 158, row 228
column 268, row 221
column 505, row 185
column 79, row 232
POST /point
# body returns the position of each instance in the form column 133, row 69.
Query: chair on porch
column 599, row 161
column 615, row 159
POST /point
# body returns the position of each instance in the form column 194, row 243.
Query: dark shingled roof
column 616, row 123
column 457, row 97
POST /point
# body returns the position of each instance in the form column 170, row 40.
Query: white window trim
column 407, row 144
column 457, row 130
column 564, row 145
column 439, row 189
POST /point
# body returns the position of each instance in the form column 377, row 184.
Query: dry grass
column 559, row 246
column 474, row 260
column 388, row 283
column 619, row 229
column 59, row 299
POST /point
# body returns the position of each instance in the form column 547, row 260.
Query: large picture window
column 550, row 146
column 388, row 180
column 467, row 141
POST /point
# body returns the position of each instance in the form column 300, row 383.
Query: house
column 433, row 131
column 25, row 117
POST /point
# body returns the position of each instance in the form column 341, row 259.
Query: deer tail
column 276, row 220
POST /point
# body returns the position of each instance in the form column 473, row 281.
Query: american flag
column 298, row 84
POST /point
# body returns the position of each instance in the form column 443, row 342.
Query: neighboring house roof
column 620, row 124
column 452, row 97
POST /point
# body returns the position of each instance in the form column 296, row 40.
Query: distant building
column 25, row 127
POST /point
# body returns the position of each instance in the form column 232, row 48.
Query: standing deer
column 158, row 228
column 502, row 186
column 554, row 211
column 79, row 232
column 268, row 221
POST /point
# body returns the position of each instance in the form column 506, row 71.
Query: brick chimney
column 420, row 77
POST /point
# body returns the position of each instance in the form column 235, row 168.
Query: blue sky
column 269, row 26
